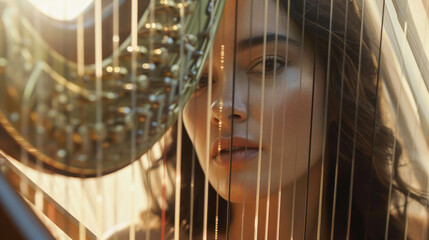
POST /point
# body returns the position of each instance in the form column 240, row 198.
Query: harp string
column 23, row 185
column 179, row 137
column 39, row 198
column 208, row 114
column 374, row 124
column 69, row 146
column 337, row 159
column 164, row 193
column 221, row 123
column 415, row 128
column 66, row 180
column 355, row 124
column 425, row 220
column 325, row 118
column 258, row 178
column 375, row 121
column 283, row 129
column 267, row 210
column 234, row 68
column 402, row 69
column 222, row 53
column 192, row 192
column 315, row 57
column 69, row 141
column 297, row 138
column 164, row 201
column 219, row 147
column 219, row 132
column 133, row 155
column 39, row 203
column 80, row 72
column 82, row 229
column 149, row 189
column 149, row 204
column 116, row 37
column 191, row 224
column 243, row 205
column 115, row 63
column 373, row 137
column 216, row 233
column 192, row 183
column 178, row 166
column 392, row 171
column 98, row 112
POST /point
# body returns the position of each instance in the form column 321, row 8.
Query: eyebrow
column 271, row 37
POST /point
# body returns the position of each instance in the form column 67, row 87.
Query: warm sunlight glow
column 61, row 9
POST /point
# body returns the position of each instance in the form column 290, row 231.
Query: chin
column 246, row 192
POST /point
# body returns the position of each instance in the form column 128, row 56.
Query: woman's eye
column 272, row 64
column 203, row 82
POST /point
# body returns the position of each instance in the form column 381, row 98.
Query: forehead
column 252, row 16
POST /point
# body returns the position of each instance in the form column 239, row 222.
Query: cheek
column 194, row 119
column 188, row 121
column 284, row 112
column 284, row 103
column 290, row 113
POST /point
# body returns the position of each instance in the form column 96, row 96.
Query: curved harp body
column 90, row 97
column 217, row 119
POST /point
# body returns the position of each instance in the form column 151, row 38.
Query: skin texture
column 287, row 98
column 287, row 95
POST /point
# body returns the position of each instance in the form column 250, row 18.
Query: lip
column 239, row 156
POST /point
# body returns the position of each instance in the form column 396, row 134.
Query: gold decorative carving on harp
column 302, row 119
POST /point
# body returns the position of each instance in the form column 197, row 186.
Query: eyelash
column 203, row 82
column 269, row 65
column 281, row 63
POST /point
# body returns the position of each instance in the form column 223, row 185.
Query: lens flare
column 63, row 10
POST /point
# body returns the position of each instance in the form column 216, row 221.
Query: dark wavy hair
column 374, row 156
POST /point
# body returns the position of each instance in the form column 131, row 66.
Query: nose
column 224, row 109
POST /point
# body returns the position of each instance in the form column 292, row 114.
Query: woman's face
column 284, row 119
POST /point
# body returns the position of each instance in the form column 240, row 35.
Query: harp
column 93, row 97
